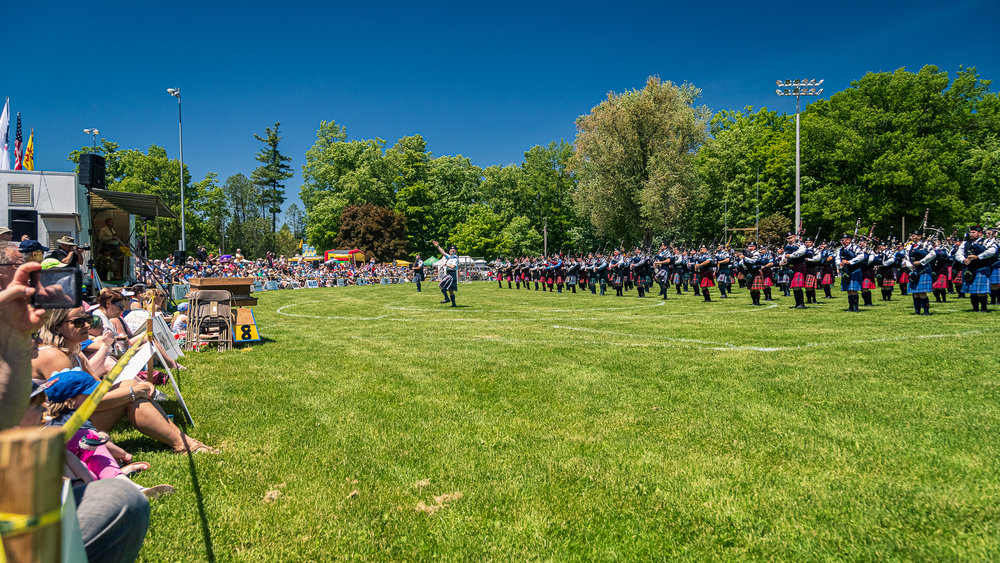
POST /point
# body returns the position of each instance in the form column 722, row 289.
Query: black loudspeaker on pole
column 92, row 171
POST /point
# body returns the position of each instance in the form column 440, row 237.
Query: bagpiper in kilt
column 814, row 260
column 978, row 256
column 904, row 274
column 991, row 237
column 887, row 270
column 724, row 271
column 662, row 263
column 600, row 269
column 850, row 258
column 619, row 269
column 705, row 264
column 751, row 262
column 642, row 270
column 868, row 282
column 794, row 256
column 920, row 256
column 829, row 269
column 941, row 268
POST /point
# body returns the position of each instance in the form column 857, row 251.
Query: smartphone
column 57, row 288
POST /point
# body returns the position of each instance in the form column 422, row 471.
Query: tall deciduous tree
column 379, row 231
column 635, row 159
column 270, row 176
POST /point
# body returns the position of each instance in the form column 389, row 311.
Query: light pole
column 93, row 132
column 176, row 92
column 798, row 88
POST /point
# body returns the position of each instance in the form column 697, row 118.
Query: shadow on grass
column 206, row 532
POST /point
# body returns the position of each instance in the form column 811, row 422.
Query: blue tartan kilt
column 923, row 284
column 995, row 276
column 854, row 283
column 981, row 284
column 572, row 279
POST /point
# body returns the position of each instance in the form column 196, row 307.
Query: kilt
column 940, row 281
column 645, row 280
column 798, row 280
column 827, row 279
column 853, row 281
column 923, row 284
column 707, row 280
column 449, row 283
column 868, row 283
column 549, row 280
column 995, row 276
column 723, row 277
column 904, row 277
column 784, row 277
column 757, row 282
column 810, row 281
column 559, row 279
column 510, row 277
column 616, row 280
column 571, row 279
column 888, row 283
column 980, row 285
column 768, row 281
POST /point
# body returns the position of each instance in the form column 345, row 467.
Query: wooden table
column 239, row 287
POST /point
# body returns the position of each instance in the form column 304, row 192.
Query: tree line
column 647, row 165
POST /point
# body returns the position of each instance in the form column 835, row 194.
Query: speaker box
column 92, row 171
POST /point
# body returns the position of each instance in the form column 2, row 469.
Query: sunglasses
column 90, row 320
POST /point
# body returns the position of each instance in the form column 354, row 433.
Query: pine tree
column 270, row 177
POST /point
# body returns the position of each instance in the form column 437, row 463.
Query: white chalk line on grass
column 588, row 310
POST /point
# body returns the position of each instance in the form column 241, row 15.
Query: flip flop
column 158, row 491
column 133, row 468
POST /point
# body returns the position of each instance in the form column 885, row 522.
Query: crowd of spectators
column 51, row 361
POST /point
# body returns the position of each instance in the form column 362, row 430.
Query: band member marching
column 705, row 264
column 795, row 257
column 920, row 256
column 978, row 256
column 751, row 261
column 850, row 258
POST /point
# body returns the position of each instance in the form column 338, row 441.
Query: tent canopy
column 143, row 205
column 403, row 263
column 430, row 261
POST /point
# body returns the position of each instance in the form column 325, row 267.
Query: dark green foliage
column 379, row 231
column 271, row 175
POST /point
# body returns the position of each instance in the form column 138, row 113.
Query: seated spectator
column 180, row 322
column 66, row 391
column 61, row 336
column 113, row 515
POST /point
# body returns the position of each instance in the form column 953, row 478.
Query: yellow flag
column 29, row 152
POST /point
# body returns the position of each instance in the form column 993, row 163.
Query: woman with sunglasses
column 61, row 336
column 111, row 306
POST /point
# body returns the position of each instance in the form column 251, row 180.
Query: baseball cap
column 69, row 383
column 28, row 246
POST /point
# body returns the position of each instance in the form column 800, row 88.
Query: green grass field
column 375, row 423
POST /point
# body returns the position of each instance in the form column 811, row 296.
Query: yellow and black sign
column 245, row 329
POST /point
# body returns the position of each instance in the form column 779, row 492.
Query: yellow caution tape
column 16, row 524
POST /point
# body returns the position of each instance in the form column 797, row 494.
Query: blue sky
column 485, row 80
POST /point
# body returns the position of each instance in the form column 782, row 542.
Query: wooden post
column 31, row 469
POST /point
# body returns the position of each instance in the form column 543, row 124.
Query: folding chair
column 211, row 319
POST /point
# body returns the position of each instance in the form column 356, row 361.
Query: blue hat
column 28, row 246
column 183, row 307
column 70, row 383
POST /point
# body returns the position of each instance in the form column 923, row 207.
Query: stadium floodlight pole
column 176, row 92
column 798, row 88
column 93, row 132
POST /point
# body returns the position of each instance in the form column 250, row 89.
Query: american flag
column 18, row 157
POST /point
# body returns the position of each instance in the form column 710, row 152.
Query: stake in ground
column 374, row 422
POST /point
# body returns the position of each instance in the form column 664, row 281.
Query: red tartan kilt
column 559, row 279
column 904, row 277
column 888, row 283
column 868, row 284
column 768, row 281
column 499, row 277
column 940, row 282
column 510, row 277
column 707, row 280
column 810, row 281
column 827, row 279
column 798, row 281
column 956, row 276
column 757, row 284
column 550, row 281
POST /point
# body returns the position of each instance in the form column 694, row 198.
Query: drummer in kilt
column 978, row 255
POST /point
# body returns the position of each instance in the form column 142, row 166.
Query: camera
column 57, row 288
column 84, row 247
